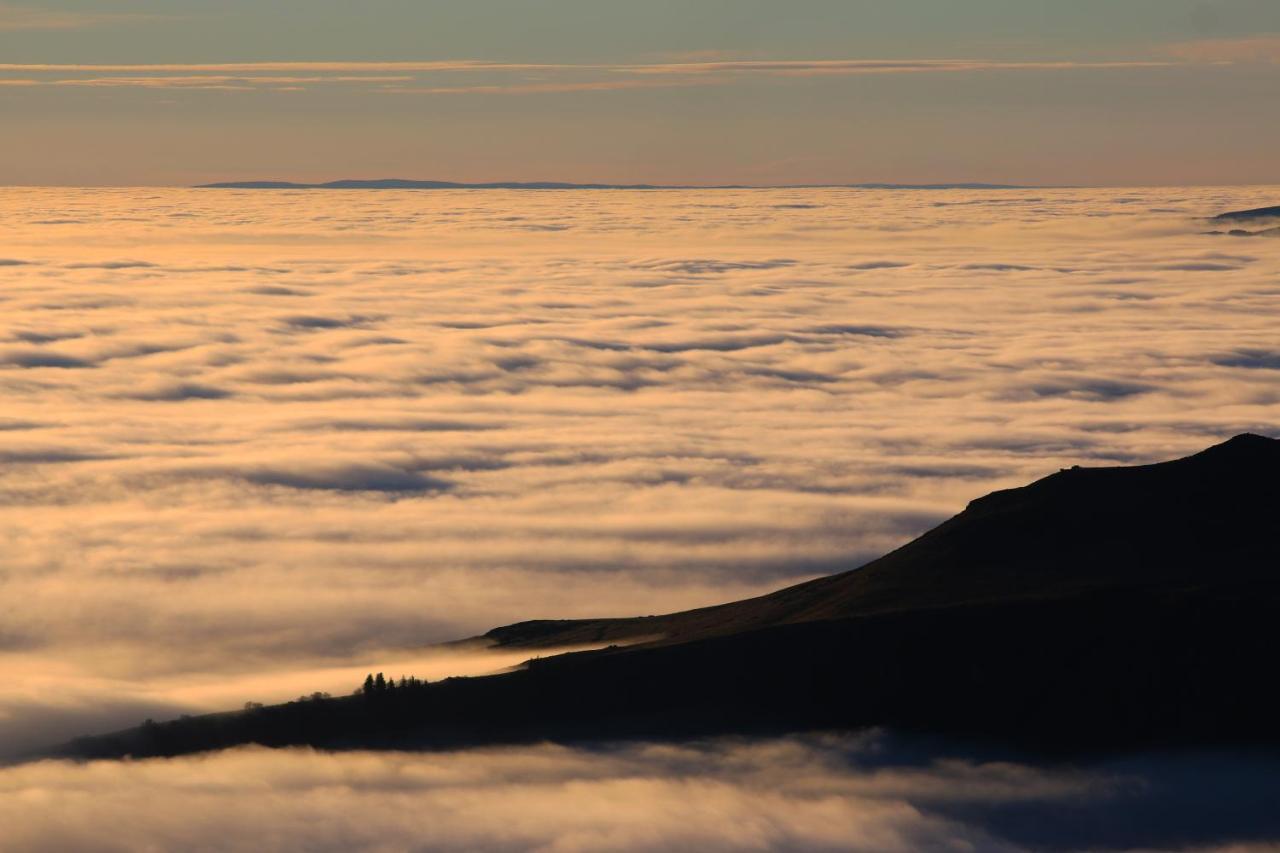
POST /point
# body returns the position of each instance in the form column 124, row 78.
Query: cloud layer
column 829, row 793
column 251, row 435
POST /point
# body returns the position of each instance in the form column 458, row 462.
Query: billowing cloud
column 817, row 793
column 253, row 438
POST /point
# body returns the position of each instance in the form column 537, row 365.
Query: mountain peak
column 1247, row 442
column 1241, row 451
column 1247, row 215
column 1184, row 521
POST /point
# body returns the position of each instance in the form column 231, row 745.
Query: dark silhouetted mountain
column 942, row 187
column 1249, row 215
column 1095, row 609
column 402, row 184
column 1078, row 530
column 1257, row 215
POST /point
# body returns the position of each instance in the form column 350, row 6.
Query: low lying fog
column 257, row 444
column 868, row 793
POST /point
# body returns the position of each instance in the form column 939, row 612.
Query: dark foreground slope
column 1195, row 519
column 1094, row 609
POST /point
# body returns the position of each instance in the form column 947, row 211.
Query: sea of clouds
column 255, row 444
column 866, row 793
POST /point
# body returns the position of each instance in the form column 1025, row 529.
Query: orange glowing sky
column 144, row 92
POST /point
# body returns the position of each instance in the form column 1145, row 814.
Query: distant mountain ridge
column 1266, row 215
column 1249, row 215
column 1094, row 609
column 404, row 184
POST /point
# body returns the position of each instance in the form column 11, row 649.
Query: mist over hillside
column 407, row 418
column 261, row 444
column 1171, row 567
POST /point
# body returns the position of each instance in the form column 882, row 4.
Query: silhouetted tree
column 379, row 684
column 368, row 685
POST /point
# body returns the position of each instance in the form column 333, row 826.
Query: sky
column 1091, row 92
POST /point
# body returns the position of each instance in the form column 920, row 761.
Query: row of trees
column 379, row 685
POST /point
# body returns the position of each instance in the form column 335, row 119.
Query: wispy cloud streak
column 268, row 67
column 1263, row 48
column 203, row 81
column 871, row 66
column 15, row 18
column 551, row 77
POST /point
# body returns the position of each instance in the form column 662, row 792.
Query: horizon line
column 427, row 184
column 347, row 183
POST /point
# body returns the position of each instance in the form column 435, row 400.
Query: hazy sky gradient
column 1032, row 91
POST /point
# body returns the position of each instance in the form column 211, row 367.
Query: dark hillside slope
column 1250, row 215
column 1096, row 609
column 1079, row 529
